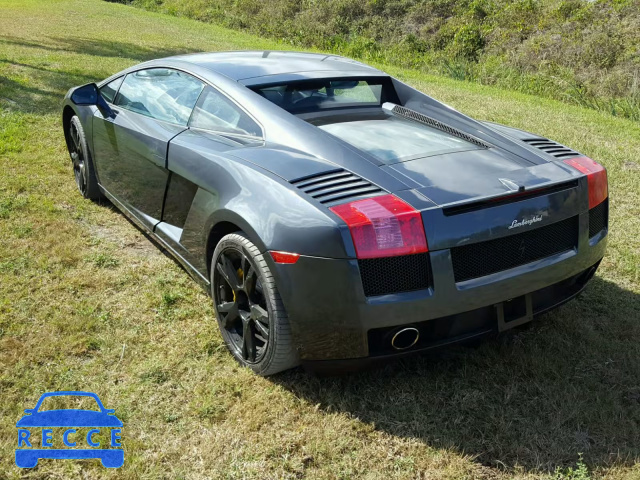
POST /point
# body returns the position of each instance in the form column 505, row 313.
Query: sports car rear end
column 507, row 238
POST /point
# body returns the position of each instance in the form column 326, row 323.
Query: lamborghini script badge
column 525, row 221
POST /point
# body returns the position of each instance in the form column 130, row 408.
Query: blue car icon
column 70, row 418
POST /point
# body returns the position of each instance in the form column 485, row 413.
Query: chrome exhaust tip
column 405, row 338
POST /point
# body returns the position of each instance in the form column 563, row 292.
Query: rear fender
column 273, row 213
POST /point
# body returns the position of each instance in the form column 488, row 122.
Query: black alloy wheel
column 83, row 171
column 252, row 319
column 78, row 158
column 242, row 305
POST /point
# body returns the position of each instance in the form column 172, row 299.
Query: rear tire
column 83, row 170
column 252, row 319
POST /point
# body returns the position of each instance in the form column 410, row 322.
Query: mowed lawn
column 87, row 302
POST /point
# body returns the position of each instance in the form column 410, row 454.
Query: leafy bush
column 468, row 42
column 554, row 48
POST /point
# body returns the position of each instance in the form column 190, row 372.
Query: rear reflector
column 383, row 226
column 596, row 177
column 284, row 257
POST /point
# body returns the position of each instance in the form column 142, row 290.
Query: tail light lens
column 596, row 177
column 383, row 226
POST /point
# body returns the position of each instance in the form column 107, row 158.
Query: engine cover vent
column 552, row 148
column 337, row 186
column 432, row 122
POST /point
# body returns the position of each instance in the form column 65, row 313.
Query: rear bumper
column 332, row 319
column 458, row 328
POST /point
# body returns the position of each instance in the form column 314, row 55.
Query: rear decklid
column 444, row 164
column 494, row 209
column 471, row 176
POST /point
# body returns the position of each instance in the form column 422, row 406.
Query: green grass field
column 88, row 303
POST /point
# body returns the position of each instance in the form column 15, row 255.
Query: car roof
column 268, row 66
column 67, row 393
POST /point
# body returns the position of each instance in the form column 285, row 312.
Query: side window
column 215, row 112
column 160, row 93
column 109, row 90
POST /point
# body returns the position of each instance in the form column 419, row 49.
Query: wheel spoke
column 229, row 314
column 75, row 136
column 226, row 307
column 262, row 330
column 260, row 321
column 259, row 314
column 226, row 269
column 244, row 265
column 248, row 341
column 248, row 282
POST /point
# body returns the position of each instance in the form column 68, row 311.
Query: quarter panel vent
column 554, row 149
column 337, row 186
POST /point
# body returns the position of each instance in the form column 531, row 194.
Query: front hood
column 465, row 176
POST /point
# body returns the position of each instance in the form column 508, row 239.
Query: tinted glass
column 110, row 89
column 160, row 93
column 392, row 139
column 323, row 94
column 216, row 112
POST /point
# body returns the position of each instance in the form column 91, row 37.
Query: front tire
column 252, row 319
column 82, row 163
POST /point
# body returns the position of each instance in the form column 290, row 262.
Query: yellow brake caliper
column 241, row 275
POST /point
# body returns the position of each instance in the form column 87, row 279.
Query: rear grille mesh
column 337, row 186
column 382, row 276
column 552, row 148
column 598, row 217
column 432, row 122
column 484, row 258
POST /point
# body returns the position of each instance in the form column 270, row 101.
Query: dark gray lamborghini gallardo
column 336, row 215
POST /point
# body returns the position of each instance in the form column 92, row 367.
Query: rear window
column 325, row 94
column 390, row 138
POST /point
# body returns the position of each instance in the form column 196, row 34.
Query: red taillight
column 596, row 178
column 284, row 257
column 383, row 226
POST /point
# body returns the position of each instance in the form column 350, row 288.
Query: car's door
column 203, row 154
column 130, row 147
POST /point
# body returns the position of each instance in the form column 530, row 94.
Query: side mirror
column 89, row 94
column 86, row 95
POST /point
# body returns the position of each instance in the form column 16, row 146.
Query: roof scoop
column 511, row 185
column 433, row 123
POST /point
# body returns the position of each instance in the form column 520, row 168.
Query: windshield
column 63, row 402
column 391, row 139
column 325, row 94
